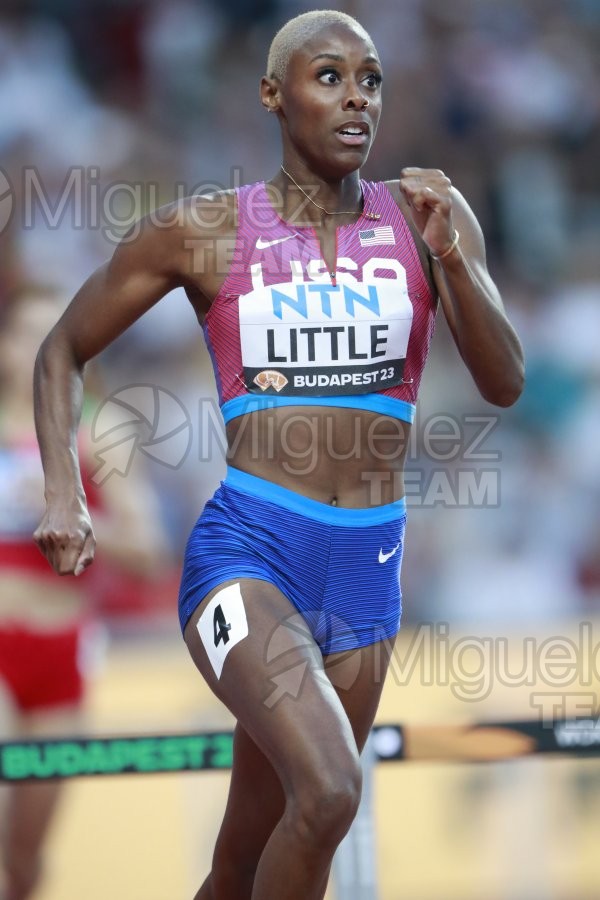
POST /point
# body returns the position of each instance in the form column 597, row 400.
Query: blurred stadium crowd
column 112, row 107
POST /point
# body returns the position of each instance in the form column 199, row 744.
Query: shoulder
column 208, row 215
column 223, row 203
column 202, row 215
column 169, row 238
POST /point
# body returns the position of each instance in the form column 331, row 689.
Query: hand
column 429, row 196
column 66, row 538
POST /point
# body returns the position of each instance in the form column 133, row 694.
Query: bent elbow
column 507, row 393
column 54, row 353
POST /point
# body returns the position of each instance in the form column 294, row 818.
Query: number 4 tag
column 222, row 625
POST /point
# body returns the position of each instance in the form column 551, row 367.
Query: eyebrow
column 338, row 58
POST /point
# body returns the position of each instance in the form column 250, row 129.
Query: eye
column 373, row 79
column 328, row 76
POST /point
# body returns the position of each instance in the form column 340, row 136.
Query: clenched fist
column 428, row 193
column 65, row 536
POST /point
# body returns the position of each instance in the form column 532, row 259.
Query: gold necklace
column 341, row 212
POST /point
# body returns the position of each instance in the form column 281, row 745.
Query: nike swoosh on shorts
column 383, row 557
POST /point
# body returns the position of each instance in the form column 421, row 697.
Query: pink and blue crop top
column 285, row 331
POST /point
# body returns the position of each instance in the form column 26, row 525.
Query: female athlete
column 317, row 292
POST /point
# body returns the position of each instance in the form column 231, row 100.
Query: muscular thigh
column 258, row 656
column 358, row 677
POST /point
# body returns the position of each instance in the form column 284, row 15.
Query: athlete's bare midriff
column 347, row 457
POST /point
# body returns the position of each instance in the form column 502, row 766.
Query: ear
column 270, row 93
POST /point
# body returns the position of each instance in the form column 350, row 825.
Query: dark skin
column 296, row 777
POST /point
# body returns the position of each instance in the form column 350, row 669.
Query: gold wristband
column 452, row 246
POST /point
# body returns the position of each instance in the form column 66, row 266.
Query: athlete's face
column 330, row 100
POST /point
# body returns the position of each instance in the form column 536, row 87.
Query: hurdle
column 354, row 870
column 74, row 757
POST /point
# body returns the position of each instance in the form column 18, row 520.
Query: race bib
column 318, row 339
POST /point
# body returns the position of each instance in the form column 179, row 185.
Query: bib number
column 313, row 338
column 222, row 625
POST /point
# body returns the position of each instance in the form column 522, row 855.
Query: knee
column 324, row 806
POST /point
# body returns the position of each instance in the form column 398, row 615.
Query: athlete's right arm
column 142, row 270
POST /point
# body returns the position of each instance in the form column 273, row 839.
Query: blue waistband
column 378, row 403
column 313, row 509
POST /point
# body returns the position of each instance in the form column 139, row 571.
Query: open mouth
column 354, row 128
column 354, row 133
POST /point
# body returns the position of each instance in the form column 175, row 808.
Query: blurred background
column 111, row 108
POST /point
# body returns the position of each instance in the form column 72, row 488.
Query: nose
column 355, row 99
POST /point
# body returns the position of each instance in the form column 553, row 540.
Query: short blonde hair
column 299, row 30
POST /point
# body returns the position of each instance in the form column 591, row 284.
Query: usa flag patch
column 382, row 235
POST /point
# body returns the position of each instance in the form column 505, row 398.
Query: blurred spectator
column 48, row 635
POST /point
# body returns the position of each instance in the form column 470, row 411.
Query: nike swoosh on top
column 383, row 557
column 261, row 245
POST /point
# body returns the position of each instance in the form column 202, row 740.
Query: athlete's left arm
column 471, row 301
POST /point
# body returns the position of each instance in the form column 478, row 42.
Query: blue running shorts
column 339, row 567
